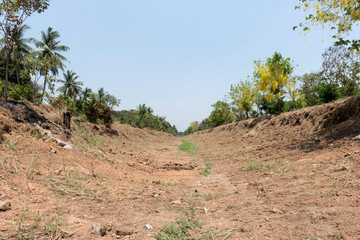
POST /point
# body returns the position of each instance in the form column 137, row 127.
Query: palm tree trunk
column 43, row 92
column 18, row 73
column 7, row 57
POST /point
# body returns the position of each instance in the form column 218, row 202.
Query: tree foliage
column 143, row 117
column 243, row 95
column 50, row 49
column 70, row 86
column 221, row 114
column 341, row 67
column 340, row 15
column 272, row 76
column 13, row 14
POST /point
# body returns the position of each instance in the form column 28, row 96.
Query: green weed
column 33, row 163
column 172, row 183
column 36, row 133
column 70, row 185
column 12, row 145
column 206, row 170
column 188, row 147
column 90, row 138
column 269, row 165
column 189, row 227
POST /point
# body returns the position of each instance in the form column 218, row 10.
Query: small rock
column 68, row 147
column 177, row 202
column 99, row 229
column 58, row 172
column 356, row 138
column 4, row 206
column 275, row 210
column 123, row 233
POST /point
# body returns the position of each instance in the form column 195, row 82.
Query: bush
column 328, row 91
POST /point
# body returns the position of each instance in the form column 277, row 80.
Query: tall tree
column 20, row 48
column 50, row 49
column 295, row 94
column 71, row 86
column 35, row 66
column 221, row 114
column 86, row 94
column 342, row 67
column 243, row 96
column 272, row 76
column 12, row 16
column 340, row 16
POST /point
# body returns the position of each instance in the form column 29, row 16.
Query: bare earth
column 291, row 176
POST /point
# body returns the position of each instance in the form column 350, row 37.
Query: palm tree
column 101, row 95
column 86, row 94
column 49, row 50
column 19, row 48
column 71, row 87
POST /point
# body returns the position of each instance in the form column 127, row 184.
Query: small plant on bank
column 206, row 170
column 12, row 145
column 188, row 147
column 189, row 227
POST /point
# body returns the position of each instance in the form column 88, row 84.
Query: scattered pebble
column 356, row 138
column 4, row 206
column 275, row 210
column 99, row 229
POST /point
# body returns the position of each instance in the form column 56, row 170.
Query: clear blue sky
column 176, row 56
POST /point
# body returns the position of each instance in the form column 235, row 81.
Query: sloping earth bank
column 291, row 176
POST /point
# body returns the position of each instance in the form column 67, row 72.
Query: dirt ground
column 291, row 176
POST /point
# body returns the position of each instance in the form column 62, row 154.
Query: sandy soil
column 291, row 176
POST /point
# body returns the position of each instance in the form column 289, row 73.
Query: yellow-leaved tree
column 340, row 15
column 272, row 77
column 243, row 96
column 298, row 98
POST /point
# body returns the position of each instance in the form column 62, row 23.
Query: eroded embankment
column 292, row 176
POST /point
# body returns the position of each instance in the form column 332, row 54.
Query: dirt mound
column 332, row 121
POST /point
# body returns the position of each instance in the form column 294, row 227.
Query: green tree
column 19, row 49
column 309, row 82
column 70, row 87
column 221, row 114
column 192, row 128
column 50, row 49
column 12, row 16
column 295, row 94
column 243, row 96
column 35, row 66
column 86, row 94
column 112, row 101
column 205, row 124
column 341, row 66
column 272, row 76
column 327, row 91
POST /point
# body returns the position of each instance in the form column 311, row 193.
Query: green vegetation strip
column 188, row 147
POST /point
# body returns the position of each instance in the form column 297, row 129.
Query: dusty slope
column 292, row 176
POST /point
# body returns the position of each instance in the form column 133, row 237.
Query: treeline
column 27, row 66
column 273, row 89
column 143, row 117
